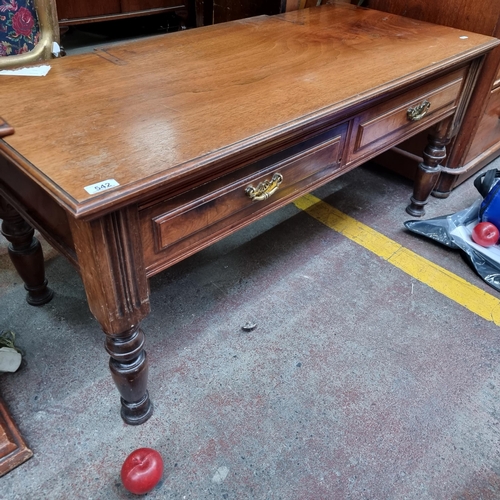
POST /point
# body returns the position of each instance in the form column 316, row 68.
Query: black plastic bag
column 454, row 232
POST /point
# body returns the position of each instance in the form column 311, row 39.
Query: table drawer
column 391, row 122
column 175, row 227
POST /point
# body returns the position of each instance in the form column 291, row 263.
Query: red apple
column 142, row 470
column 485, row 234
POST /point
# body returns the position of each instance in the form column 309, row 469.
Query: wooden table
column 478, row 141
column 131, row 158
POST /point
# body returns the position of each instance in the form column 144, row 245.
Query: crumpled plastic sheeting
column 446, row 230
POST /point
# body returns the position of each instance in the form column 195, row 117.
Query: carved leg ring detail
column 26, row 255
column 129, row 369
column 427, row 174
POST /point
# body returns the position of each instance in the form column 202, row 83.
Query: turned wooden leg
column 129, row 369
column 444, row 186
column 26, row 255
column 427, row 174
column 109, row 252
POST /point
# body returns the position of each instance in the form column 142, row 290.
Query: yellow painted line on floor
column 450, row 285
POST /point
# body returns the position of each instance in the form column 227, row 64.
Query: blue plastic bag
column 489, row 187
column 446, row 229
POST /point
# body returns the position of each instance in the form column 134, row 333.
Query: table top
column 148, row 112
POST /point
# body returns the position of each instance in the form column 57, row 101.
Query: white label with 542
column 98, row 187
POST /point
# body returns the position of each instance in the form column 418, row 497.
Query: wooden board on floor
column 13, row 449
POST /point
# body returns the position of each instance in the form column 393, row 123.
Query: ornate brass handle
column 419, row 111
column 265, row 189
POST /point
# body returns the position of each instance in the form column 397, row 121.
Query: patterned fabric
column 19, row 28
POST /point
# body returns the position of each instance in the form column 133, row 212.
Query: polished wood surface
column 176, row 226
column 290, row 5
column 192, row 135
column 489, row 126
column 76, row 9
column 122, row 114
column 230, row 10
column 87, row 11
column 478, row 141
column 390, row 120
column 479, row 16
column 222, row 11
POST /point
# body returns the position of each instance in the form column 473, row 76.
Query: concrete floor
column 359, row 382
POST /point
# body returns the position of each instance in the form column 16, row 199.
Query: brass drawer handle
column 265, row 189
column 419, row 111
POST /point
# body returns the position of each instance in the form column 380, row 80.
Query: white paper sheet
column 32, row 71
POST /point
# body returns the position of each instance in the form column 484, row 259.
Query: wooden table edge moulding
column 133, row 157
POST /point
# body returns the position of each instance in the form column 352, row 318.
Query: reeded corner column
column 109, row 252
